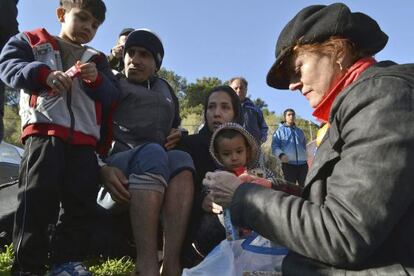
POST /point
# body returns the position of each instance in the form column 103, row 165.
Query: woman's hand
column 209, row 206
column 222, row 185
column 116, row 183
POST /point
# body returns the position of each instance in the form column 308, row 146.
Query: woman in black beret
column 356, row 214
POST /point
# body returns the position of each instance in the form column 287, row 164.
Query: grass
column 109, row 267
column 112, row 267
column 6, row 259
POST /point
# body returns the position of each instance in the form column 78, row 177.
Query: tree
column 11, row 125
column 178, row 83
column 12, row 97
column 260, row 103
column 196, row 92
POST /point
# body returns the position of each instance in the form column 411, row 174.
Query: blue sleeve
column 107, row 91
column 277, row 143
column 18, row 67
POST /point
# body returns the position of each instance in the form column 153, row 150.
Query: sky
column 227, row 38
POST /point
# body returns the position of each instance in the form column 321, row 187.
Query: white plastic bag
column 232, row 258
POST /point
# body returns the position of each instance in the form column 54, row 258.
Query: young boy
column 66, row 89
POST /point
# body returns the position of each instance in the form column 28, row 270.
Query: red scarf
column 323, row 109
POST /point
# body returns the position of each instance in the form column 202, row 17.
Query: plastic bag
column 232, row 258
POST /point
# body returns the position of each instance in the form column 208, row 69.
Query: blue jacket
column 290, row 141
column 254, row 121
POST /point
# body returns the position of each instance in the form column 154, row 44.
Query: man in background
column 289, row 145
column 116, row 57
column 253, row 117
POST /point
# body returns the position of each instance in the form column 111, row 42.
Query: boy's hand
column 88, row 71
column 59, row 81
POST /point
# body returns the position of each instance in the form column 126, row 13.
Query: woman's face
column 313, row 75
column 219, row 110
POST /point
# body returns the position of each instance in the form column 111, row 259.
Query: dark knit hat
column 126, row 31
column 318, row 23
column 149, row 40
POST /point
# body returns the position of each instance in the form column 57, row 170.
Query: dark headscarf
column 235, row 101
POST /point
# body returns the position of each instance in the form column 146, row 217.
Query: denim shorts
column 146, row 159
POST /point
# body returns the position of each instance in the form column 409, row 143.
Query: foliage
column 196, row 92
column 6, row 260
column 109, row 267
column 113, row 267
column 178, row 83
column 12, row 97
column 260, row 103
column 192, row 118
column 11, row 125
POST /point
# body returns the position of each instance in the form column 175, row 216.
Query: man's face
column 139, row 64
column 240, row 88
column 79, row 26
column 290, row 118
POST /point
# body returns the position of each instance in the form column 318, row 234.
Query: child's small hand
column 245, row 177
column 59, row 81
column 88, row 71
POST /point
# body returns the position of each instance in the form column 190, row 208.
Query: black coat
column 356, row 216
column 8, row 20
column 197, row 145
column 8, row 28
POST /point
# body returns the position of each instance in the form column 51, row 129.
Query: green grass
column 109, row 267
column 6, row 259
column 112, row 267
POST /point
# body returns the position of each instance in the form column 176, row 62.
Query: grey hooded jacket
column 145, row 113
column 356, row 216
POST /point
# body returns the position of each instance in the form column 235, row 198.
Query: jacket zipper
column 296, row 147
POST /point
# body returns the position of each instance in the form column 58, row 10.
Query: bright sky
column 226, row 38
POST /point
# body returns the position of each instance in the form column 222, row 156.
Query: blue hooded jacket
column 291, row 141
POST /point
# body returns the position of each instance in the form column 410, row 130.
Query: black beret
column 318, row 23
column 148, row 40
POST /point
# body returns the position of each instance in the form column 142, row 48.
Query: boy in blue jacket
column 67, row 90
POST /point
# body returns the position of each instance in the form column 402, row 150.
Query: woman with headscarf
column 222, row 105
